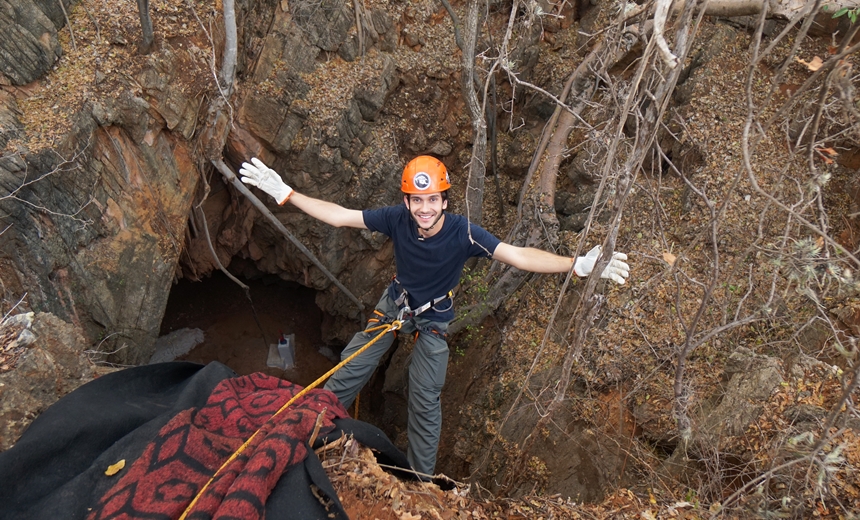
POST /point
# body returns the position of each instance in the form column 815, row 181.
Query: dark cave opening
column 219, row 307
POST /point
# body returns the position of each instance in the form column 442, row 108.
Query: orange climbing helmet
column 425, row 174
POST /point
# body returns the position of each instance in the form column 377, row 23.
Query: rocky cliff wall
column 95, row 231
column 30, row 46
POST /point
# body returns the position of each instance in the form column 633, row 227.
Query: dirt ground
column 220, row 309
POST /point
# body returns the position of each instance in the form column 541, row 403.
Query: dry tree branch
column 64, row 165
column 828, row 65
column 145, row 26
column 604, row 55
column 804, row 14
column 199, row 208
column 815, row 451
column 661, row 12
column 580, row 76
column 15, row 306
column 455, row 20
column 231, row 178
column 95, row 23
column 546, row 135
column 589, row 303
column 68, row 24
column 754, row 132
column 746, row 148
column 359, row 28
column 225, row 94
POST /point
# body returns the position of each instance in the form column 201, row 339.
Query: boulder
column 324, row 25
column 10, row 127
column 117, row 192
column 51, row 361
column 752, row 379
column 176, row 344
column 160, row 83
column 29, row 46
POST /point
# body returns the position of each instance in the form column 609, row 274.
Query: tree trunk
column 228, row 67
column 477, row 165
column 145, row 26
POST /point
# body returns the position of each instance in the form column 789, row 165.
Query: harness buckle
column 407, row 313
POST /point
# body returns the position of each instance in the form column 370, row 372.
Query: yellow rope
column 395, row 325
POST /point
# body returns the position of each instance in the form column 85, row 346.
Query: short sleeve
column 485, row 243
column 381, row 219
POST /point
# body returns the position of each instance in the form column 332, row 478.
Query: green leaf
column 840, row 12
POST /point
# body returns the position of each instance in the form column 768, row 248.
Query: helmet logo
column 421, row 181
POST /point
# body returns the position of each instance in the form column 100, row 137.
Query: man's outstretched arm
column 258, row 174
column 329, row 212
column 539, row 261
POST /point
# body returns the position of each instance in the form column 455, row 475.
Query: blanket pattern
column 191, row 447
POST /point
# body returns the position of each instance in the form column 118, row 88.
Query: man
column 430, row 250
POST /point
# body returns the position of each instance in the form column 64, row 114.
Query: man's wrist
column 573, row 261
column 289, row 194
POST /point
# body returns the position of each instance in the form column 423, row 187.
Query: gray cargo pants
column 429, row 362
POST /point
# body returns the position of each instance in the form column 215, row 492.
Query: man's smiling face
column 425, row 208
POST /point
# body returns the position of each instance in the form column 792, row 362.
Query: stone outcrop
column 10, row 127
column 752, row 379
column 29, row 46
column 95, row 241
column 52, row 363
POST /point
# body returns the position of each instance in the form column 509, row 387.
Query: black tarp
column 57, row 469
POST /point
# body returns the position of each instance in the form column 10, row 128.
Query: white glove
column 616, row 271
column 265, row 178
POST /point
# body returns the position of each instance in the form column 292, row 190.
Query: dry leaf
column 669, row 258
column 813, row 65
column 113, row 469
column 826, row 153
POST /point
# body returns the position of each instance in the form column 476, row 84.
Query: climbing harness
column 406, row 313
column 385, row 328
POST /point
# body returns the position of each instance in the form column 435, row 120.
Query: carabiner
column 405, row 313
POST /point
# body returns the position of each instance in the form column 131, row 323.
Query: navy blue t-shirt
column 431, row 267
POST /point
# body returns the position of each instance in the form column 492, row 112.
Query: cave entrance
column 219, row 308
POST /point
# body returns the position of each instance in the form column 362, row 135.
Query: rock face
column 96, row 240
column 51, row 366
column 752, row 379
column 29, row 46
